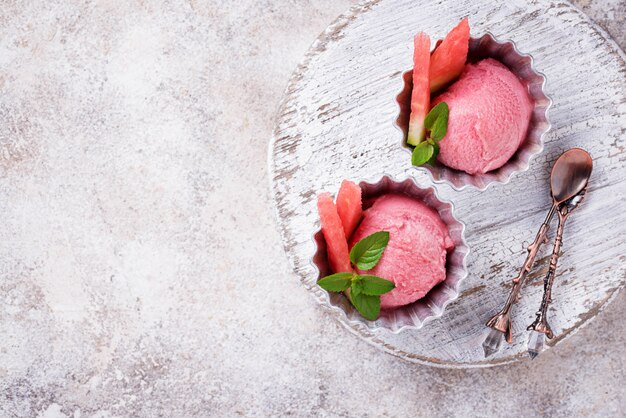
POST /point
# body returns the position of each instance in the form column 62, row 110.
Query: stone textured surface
column 140, row 270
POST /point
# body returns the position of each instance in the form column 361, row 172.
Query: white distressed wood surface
column 336, row 122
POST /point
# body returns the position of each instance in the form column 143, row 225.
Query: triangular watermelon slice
column 420, row 95
column 332, row 228
column 449, row 57
column 349, row 206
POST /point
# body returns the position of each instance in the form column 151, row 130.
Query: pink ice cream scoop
column 489, row 115
column 415, row 257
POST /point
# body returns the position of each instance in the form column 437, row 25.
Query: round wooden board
column 337, row 122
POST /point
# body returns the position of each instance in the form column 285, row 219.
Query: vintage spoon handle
column 502, row 320
column 541, row 322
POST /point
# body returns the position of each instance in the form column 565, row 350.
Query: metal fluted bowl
column 416, row 314
column 521, row 65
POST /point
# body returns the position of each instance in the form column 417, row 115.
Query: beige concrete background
column 141, row 273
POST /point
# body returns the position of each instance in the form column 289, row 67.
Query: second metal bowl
column 416, row 314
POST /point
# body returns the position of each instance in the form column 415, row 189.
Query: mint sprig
column 337, row 282
column 366, row 253
column 367, row 305
column 436, row 121
column 375, row 286
column 436, row 124
column 365, row 290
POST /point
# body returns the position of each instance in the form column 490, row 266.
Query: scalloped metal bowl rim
column 340, row 313
column 526, row 165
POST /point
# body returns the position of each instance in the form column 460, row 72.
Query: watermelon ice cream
column 490, row 111
column 415, row 257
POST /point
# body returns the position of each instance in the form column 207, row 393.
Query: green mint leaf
column 440, row 128
column 422, row 153
column 437, row 121
column 367, row 305
column 357, row 286
column 366, row 253
column 436, row 112
column 375, row 286
column 337, row 282
column 433, row 159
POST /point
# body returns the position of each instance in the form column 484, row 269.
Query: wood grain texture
column 336, row 122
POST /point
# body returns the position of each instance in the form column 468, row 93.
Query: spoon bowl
column 570, row 174
column 574, row 202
